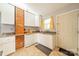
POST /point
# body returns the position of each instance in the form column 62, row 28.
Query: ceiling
column 48, row 9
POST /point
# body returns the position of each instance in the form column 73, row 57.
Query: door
column 78, row 34
column 67, row 31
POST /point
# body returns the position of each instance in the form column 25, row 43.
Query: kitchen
column 22, row 28
column 17, row 32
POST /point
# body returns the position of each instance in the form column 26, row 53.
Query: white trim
column 67, row 12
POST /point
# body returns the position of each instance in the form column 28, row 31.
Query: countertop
column 43, row 32
column 46, row 32
column 13, row 34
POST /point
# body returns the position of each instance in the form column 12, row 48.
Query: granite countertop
column 45, row 32
column 34, row 32
column 48, row 32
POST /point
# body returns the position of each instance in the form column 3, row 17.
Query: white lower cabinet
column 8, row 45
column 8, row 48
column 29, row 40
column 46, row 40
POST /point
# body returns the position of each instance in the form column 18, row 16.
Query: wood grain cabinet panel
column 19, row 21
column 19, row 28
column 19, row 42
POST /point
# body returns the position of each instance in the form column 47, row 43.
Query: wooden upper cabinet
column 19, row 21
column 19, row 28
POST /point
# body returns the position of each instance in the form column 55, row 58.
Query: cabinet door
column 7, row 13
column 9, row 45
column 28, row 40
column 38, row 38
column 19, row 41
column 29, row 19
column 19, row 21
column 26, row 18
column 37, row 21
column 8, row 48
column 1, row 44
column 19, row 28
column 48, row 41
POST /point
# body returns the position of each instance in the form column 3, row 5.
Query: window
column 47, row 24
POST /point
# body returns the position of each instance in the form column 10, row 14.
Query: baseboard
column 30, row 45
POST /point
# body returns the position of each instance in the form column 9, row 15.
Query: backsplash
column 7, row 28
column 31, row 28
